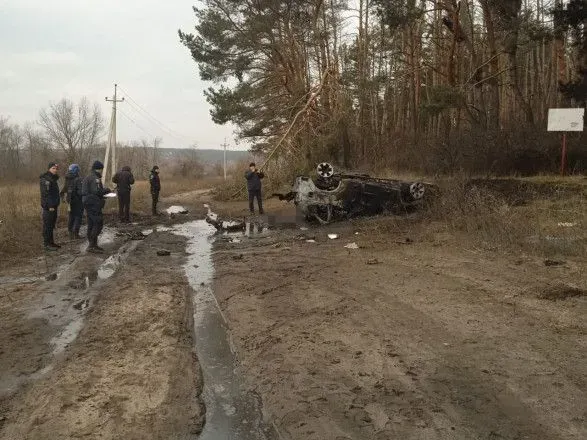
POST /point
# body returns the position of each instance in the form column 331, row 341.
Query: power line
column 138, row 112
column 154, row 119
column 136, row 124
column 157, row 127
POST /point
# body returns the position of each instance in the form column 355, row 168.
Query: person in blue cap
column 72, row 193
column 93, row 198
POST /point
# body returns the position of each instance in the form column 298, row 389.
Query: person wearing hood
column 124, row 181
column 155, row 183
column 72, row 192
column 93, row 199
column 49, row 202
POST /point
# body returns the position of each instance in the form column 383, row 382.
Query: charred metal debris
column 336, row 196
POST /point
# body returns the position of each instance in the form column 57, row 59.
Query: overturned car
column 335, row 196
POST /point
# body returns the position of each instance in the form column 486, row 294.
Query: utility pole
column 224, row 145
column 112, row 137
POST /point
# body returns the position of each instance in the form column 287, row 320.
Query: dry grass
column 535, row 217
column 20, row 212
column 545, row 217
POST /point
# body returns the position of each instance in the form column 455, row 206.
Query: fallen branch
column 309, row 102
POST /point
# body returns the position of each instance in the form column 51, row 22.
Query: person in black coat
column 49, row 202
column 93, row 198
column 72, row 192
column 254, row 185
column 124, row 181
column 155, row 183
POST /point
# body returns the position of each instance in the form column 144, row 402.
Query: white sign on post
column 566, row 119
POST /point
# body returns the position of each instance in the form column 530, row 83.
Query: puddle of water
column 105, row 270
column 106, row 237
column 231, row 413
column 11, row 383
column 253, row 228
column 109, row 266
column 67, row 336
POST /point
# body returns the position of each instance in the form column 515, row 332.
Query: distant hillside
column 207, row 157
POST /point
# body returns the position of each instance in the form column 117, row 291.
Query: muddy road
column 410, row 336
column 129, row 373
column 284, row 333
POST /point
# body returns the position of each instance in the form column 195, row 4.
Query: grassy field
column 542, row 215
column 20, row 212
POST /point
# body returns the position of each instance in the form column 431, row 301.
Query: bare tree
column 11, row 145
column 72, row 128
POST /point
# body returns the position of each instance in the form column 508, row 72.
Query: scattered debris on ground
column 176, row 209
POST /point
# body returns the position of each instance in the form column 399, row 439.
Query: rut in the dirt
column 231, row 412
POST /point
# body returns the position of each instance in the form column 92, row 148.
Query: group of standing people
column 87, row 194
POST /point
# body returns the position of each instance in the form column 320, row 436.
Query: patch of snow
column 176, row 209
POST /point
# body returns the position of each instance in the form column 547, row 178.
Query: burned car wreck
column 335, row 196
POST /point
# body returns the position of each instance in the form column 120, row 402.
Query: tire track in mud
column 397, row 350
column 231, row 410
column 131, row 373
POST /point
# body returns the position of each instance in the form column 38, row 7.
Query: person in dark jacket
column 124, row 181
column 49, row 202
column 72, row 192
column 155, row 182
column 93, row 198
column 254, row 177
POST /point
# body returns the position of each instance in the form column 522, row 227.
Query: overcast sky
column 75, row 48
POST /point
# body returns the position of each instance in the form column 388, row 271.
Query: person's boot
column 98, row 248
column 50, row 247
column 94, row 248
column 58, row 246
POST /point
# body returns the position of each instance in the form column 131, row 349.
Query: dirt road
column 412, row 335
column 406, row 337
column 130, row 373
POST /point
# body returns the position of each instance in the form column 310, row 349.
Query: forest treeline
column 433, row 86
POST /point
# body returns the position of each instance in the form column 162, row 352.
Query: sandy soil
column 413, row 335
